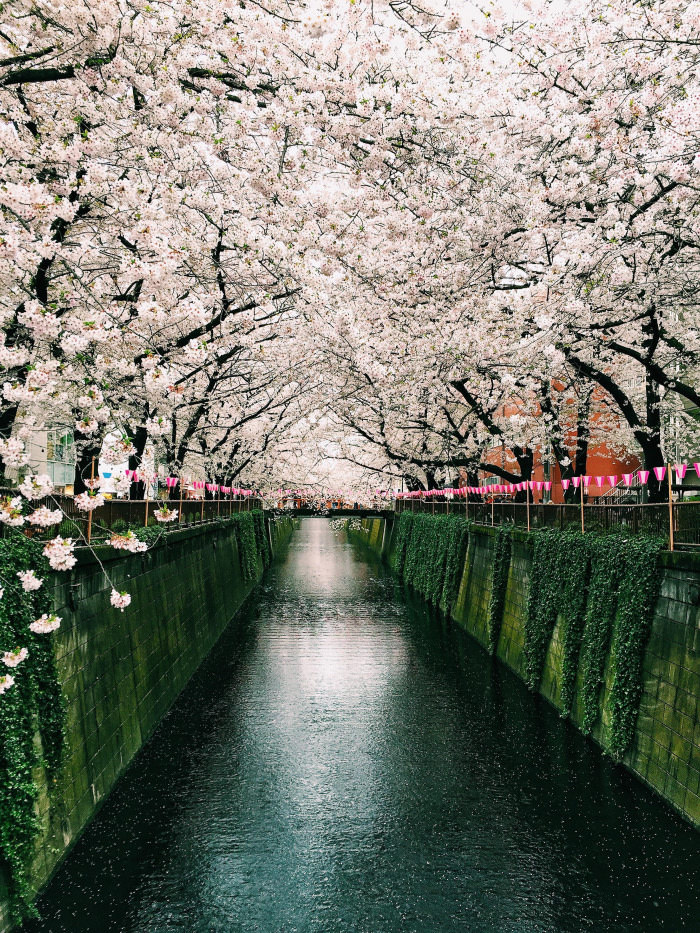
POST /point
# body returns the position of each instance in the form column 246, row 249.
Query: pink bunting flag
column 680, row 469
column 643, row 476
column 587, row 480
column 612, row 480
column 171, row 481
column 599, row 481
column 129, row 473
column 660, row 472
column 576, row 480
column 565, row 483
column 697, row 469
column 627, row 477
column 539, row 484
column 548, row 485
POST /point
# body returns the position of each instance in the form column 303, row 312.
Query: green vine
column 34, row 703
column 608, row 565
column 600, row 587
column 635, row 606
column 501, row 567
column 429, row 555
column 248, row 544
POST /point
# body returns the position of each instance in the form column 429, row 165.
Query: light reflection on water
column 345, row 762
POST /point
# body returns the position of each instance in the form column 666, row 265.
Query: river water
column 346, row 762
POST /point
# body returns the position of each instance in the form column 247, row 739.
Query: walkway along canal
column 346, row 761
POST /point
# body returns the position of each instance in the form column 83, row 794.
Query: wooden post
column 527, row 500
column 583, row 527
column 491, row 511
column 147, row 492
column 230, row 503
column 92, row 478
column 218, row 499
column 179, row 516
column 670, row 507
column 204, row 492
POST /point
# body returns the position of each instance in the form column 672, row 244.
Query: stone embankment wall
column 121, row 671
column 665, row 751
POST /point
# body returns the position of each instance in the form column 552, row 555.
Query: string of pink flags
column 583, row 481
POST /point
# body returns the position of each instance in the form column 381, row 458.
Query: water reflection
column 346, row 762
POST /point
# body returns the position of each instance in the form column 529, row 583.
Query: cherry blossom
column 120, row 600
column 36, row 486
column 45, row 518
column 45, row 624
column 13, row 658
column 29, row 580
column 6, row 681
column 59, row 553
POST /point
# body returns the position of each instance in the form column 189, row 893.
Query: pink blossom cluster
column 59, row 553
column 119, row 600
column 36, row 486
column 45, row 624
column 166, row 515
column 89, row 501
column 29, row 580
column 13, row 658
column 45, row 518
column 128, row 542
column 11, row 511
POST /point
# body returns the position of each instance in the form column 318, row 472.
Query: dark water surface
column 344, row 762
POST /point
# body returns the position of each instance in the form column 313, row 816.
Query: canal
column 345, row 762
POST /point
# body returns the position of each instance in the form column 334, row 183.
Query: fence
column 634, row 519
column 134, row 512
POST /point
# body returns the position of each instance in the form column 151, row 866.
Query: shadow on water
column 347, row 761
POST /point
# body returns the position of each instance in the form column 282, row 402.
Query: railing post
column 670, row 508
column 527, row 500
column 92, row 479
column 583, row 529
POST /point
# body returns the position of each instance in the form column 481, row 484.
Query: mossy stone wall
column 665, row 752
column 121, row 672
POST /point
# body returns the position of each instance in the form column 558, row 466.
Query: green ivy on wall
column 637, row 593
column 34, row 703
column 603, row 587
column 608, row 564
column 501, row 566
column 600, row 588
column 248, row 543
column 429, row 555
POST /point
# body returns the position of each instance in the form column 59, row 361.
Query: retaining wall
column 121, row 671
column 665, row 752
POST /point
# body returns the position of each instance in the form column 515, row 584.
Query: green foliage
column 457, row 540
column 601, row 586
column 558, row 582
column 34, row 703
column 608, row 565
column 403, row 536
column 261, row 538
column 501, row 566
column 637, row 594
column 429, row 554
column 248, row 549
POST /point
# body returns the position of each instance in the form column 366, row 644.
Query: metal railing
column 133, row 512
column 633, row 519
